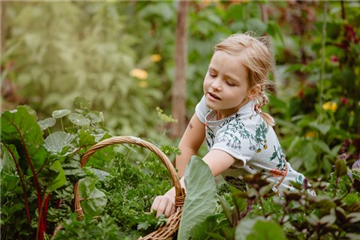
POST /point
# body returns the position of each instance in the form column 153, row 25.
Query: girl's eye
column 212, row 75
column 230, row 84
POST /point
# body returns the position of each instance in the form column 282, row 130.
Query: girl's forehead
column 224, row 58
column 229, row 65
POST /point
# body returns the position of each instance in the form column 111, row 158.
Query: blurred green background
column 121, row 56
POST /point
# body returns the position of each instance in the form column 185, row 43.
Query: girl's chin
column 211, row 105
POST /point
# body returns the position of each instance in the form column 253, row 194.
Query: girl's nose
column 216, row 85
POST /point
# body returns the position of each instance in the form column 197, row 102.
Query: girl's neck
column 221, row 114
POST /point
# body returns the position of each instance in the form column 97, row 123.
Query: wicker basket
column 166, row 231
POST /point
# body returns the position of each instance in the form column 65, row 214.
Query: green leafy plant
column 39, row 168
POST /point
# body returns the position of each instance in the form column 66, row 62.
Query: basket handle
column 179, row 192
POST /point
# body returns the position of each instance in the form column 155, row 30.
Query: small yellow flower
column 139, row 73
column 330, row 106
column 310, row 134
column 359, row 103
column 352, row 113
column 143, row 84
column 333, row 107
column 155, row 58
column 327, row 106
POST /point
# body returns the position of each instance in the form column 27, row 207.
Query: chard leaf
column 20, row 128
column 93, row 200
column 9, row 175
column 258, row 228
column 47, row 123
column 79, row 119
column 210, row 226
column 200, row 199
column 61, row 113
column 56, row 141
column 7, row 163
column 60, row 179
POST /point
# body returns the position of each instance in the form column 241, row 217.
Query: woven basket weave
column 166, row 231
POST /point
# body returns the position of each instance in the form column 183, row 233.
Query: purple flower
column 356, row 166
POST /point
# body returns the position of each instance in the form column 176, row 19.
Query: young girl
column 239, row 136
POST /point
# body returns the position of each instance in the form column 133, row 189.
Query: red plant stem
column 45, row 211
column 23, row 188
column 58, row 203
column 41, row 227
column 36, row 182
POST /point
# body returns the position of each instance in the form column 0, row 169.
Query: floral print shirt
column 255, row 146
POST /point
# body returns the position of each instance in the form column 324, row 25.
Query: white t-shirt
column 255, row 146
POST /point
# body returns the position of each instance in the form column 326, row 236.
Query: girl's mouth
column 212, row 95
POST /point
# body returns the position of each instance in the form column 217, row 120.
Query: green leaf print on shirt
column 280, row 156
column 234, row 130
column 300, row 179
column 260, row 137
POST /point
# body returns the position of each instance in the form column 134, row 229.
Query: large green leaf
column 93, row 200
column 200, row 199
column 20, row 127
column 258, row 228
column 56, row 141
column 60, row 179
column 211, row 225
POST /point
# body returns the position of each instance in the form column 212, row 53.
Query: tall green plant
column 82, row 50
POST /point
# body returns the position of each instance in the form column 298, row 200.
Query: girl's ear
column 254, row 91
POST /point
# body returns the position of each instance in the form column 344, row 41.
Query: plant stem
column 22, row 187
column 127, row 154
column 62, row 125
column 42, row 166
column 40, row 226
column 262, row 207
column 36, row 182
column 146, row 157
column 343, row 14
column 322, row 66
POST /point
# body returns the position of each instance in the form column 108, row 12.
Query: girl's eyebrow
column 211, row 68
column 232, row 77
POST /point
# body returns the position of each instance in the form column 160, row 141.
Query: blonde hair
column 256, row 57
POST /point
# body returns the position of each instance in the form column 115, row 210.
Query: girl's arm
column 190, row 143
column 217, row 160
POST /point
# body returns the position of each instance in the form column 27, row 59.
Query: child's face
column 225, row 85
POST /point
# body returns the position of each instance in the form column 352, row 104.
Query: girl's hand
column 163, row 205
